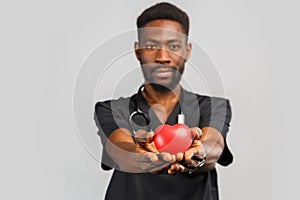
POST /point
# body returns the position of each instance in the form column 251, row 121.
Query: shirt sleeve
column 216, row 112
column 109, row 116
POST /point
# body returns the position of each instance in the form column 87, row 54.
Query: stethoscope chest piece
column 139, row 120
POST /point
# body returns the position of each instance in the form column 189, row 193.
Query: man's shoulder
column 111, row 101
column 191, row 94
column 118, row 104
column 203, row 97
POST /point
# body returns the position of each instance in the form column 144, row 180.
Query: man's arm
column 131, row 157
column 211, row 145
column 215, row 120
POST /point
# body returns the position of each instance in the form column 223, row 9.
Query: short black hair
column 164, row 11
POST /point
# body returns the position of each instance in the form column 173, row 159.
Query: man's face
column 162, row 51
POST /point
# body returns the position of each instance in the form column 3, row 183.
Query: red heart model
column 172, row 139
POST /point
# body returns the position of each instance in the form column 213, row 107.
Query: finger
column 176, row 167
column 179, row 156
column 146, row 157
column 144, row 137
column 197, row 143
column 199, row 155
column 146, row 147
column 181, row 168
column 196, row 133
column 150, row 147
column 190, row 164
column 190, row 152
column 173, row 168
column 200, row 150
column 150, row 137
column 168, row 157
column 140, row 136
column 143, row 148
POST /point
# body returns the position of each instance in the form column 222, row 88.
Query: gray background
column 43, row 44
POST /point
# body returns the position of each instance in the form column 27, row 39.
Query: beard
column 160, row 86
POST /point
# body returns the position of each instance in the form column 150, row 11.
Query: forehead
column 162, row 30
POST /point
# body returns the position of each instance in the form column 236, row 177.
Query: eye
column 151, row 46
column 174, row 47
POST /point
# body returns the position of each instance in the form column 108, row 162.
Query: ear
column 188, row 51
column 137, row 50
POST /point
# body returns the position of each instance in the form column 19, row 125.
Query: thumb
column 150, row 137
column 189, row 153
column 196, row 133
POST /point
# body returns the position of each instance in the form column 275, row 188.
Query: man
column 126, row 125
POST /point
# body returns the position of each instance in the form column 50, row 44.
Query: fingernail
column 153, row 158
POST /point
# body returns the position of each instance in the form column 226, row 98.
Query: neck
column 155, row 97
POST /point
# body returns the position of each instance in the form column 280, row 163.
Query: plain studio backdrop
column 44, row 45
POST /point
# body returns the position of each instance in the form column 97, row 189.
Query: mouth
column 163, row 72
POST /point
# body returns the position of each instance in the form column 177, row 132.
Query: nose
column 162, row 56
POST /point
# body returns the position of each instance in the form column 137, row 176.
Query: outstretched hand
column 191, row 157
column 151, row 160
column 165, row 162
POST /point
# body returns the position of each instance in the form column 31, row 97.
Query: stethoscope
column 141, row 120
column 144, row 122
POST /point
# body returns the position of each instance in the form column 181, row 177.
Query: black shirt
column 201, row 111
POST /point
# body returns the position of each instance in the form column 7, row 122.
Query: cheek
column 178, row 56
column 178, row 59
column 147, row 58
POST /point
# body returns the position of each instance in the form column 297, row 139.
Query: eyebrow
column 156, row 41
column 151, row 40
column 174, row 40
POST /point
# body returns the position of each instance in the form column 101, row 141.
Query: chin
column 163, row 87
